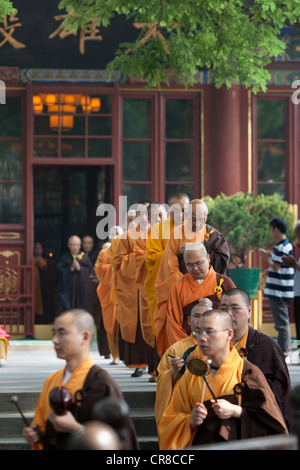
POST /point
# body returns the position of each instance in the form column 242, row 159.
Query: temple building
column 72, row 137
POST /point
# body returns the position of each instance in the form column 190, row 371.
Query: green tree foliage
column 244, row 221
column 6, row 8
column 235, row 39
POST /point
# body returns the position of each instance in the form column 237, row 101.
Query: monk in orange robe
column 156, row 212
column 158, row 236
column 172, row 364
column 194, row 416
column 172, row 267
column 104, row 273
column 200, row 281
column 73, row 333
column 135, row 354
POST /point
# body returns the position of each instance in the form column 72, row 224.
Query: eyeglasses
column 198, row 264
column 208, row 332
column 234, row 308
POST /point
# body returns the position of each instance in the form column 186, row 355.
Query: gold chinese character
column 154, row 32
column 89, row 34
column 63, row 30
column 8, row 30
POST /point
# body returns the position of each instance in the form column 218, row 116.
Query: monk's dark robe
column 97, row 386
column 259, row 418
column 217, row 249
column 46, row 287
column 96, row 312
column 266, row 354
column 74, row 286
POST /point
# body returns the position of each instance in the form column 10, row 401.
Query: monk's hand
column 199, row 413
column 177, row 363
column 64, row 423
column 225, row 410
column 76, row 265
column 31, row 434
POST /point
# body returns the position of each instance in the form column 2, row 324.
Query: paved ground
column 30, row 362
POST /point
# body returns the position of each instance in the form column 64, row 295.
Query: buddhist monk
column 158, row 236
column 135, row 349
column 104, row 273
column 258, row 348
column 156, row 213
column 172, row 365
column 172, row 267
column 74, row 269
column 241, row 404
column 73, row 333
column 200, row 281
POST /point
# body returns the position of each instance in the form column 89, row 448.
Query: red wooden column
column 223, row 157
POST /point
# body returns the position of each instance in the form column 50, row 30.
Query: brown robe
column 98, row 385
column 259, row 417
column 266, row 354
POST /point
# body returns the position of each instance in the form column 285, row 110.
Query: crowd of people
column 159, row 298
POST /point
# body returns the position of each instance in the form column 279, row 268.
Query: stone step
column 11, row 424
column 18, row 443
column 27, row 400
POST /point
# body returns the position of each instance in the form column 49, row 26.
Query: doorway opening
column 65, row 203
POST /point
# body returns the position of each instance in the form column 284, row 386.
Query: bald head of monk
column 196, row 214
column 73, row 333
column 214, row 332
column 96, row 436
column 74, row 244
column 177, row 204
column 202, row 306
column 196, row 260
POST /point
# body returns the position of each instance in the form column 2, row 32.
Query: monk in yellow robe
column 172, row 365
column 156, row 212
column 73, row 333
column 200, row 281
column 158, row 236
column 126, row 290
column 237, row 404
column 172, row 267
column 104, row 273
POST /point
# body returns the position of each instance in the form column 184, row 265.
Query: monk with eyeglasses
column 243, row 404
column 258, row 348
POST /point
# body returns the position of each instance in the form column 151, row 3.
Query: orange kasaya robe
column 169, row 272
column 126, row 290
column 174, row 430
column 260, row 415
column 110, row 256
column 157, row 240
column 164, row 388
column 74, row 383
column 141, row 273
column 103, row 271
column 169, row 319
